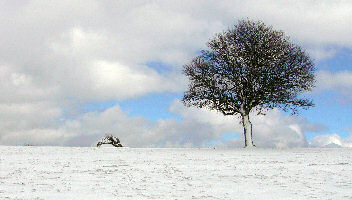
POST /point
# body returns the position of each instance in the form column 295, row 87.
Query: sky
column 72, row 71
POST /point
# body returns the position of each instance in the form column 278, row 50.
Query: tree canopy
column 250, row 67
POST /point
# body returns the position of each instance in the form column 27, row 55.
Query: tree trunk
column 247, row 126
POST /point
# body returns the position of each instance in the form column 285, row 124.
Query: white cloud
column 329, row 80
column 272, row 130
column 310, row 22
column 138, row 131
column 19, row 87
column 59, row 44
column 36, row 136
column 113, row 80
column 77, row 43
column 30, row 122
column 321, row 53
column 340, row 82
column 330, row 140
column 198, row 128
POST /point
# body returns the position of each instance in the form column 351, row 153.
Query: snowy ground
column 127, row 173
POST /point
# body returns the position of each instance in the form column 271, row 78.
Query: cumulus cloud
column 113, row 80
column 86, row 129
column 198, row 128
column 340, row 82
column 330, row 140
column 274, row 129
column 329, row 80
column 137, row 131
column 30, row 122
column 19, row 87
column 321, row 53
column 57, row 44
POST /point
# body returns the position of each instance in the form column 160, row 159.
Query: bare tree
column 110, row 139
column 250, row 68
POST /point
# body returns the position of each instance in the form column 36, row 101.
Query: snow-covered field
column 128, row 173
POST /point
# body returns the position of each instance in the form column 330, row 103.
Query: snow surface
column 129, row 173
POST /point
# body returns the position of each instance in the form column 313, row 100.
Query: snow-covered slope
column 128, row 173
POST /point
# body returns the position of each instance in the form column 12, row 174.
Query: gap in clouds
column 153, row 107
column 226, row 137
column 97, row 106
column 333, row 116
column 332, row 96
column 341, row 61
column 160, row 67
